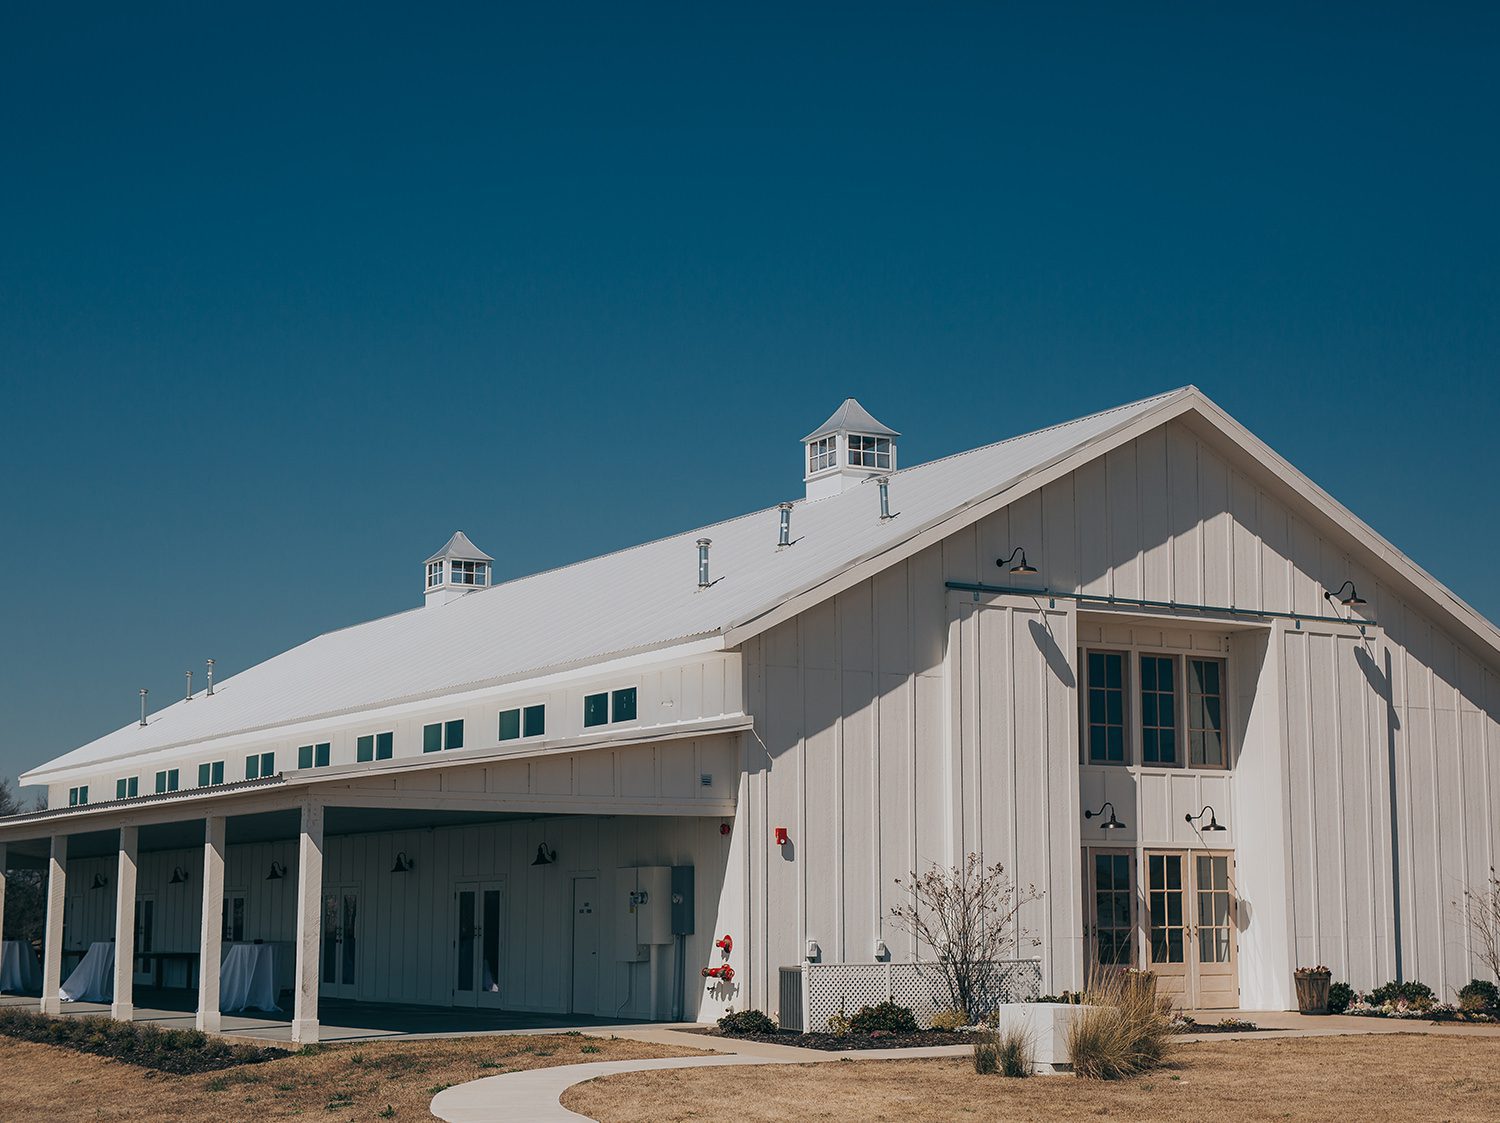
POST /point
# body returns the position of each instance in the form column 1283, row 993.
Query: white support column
column 123, row 1007
column 3, row 861
column 210, row 947
column 309, row 923
column 57, row 896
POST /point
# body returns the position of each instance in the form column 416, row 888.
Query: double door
column 479, row 911
column 1173, row 915
column 341, row 938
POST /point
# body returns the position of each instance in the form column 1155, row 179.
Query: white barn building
column 556, row 793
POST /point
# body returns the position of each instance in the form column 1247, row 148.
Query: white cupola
column 459, row 567
column 849, row 447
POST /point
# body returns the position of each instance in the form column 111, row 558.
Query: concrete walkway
column 535, row 1094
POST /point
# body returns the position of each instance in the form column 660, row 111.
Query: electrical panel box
column 682, row 900
column 642, row 910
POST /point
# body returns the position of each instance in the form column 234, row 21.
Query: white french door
column 479, row 924
column 1191, row 937
column 339, row 975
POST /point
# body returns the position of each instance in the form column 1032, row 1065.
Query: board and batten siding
column 1354, row 739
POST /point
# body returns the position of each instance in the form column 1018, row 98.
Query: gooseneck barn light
column 1110, row 824
column 1353, row 600
column 544, row 857
column 1021, row 566
column 403, row 864
column 1213, row 822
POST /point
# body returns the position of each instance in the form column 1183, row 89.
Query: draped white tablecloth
column 20, row 970
column 247, row 978
column 93, row 980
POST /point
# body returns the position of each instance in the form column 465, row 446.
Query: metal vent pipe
column 784, row 535
column 703, row 545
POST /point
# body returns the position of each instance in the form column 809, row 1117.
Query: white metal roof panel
column 633, row 600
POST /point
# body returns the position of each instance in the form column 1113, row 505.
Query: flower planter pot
column 1312, row 991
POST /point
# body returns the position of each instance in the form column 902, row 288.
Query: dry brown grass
column 338, row 1082
column 1407, row 1076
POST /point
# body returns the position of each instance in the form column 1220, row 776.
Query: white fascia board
column 935, row 530
column 322, row 723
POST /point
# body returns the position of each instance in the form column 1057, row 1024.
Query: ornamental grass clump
column 1120, row 1031
column 1015, row 1052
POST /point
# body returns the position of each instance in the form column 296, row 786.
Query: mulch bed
column 830, row 1043
column 1215, row 1027
column 178, row 1051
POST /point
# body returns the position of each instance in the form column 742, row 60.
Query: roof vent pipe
column 703, row 545
column 190, row 686
column 884, row 483
column 784, row 536
column 210, row 676
column 144, row 692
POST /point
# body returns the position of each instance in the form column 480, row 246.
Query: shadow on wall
column 1056, row 658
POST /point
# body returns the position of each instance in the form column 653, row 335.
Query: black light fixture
column 179, row 876
column 544, row 857
column 1213, row 822
column 1353, row 600
column 278, row 871
column 1020, row 567
column 1110, row 824
column 100, row 881
column 403, row 863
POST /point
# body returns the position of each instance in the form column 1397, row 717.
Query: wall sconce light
column 179, row 876
column 544, row 857
column 403, row 864
column 100, row 881
column 1110, row 824
column 1213, row 822
column 1021, row 567
column 1353, row 600
column 278, row 871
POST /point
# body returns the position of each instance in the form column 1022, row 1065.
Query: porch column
column 123, row 1007
column 210, row 945
column 3, row 859
column 309, row 923
column 57, row 896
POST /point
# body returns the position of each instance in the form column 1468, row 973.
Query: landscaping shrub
column 1067, row 997
column 179, row 1051
column 1122, row 1030
column 949, row 1021
column 1339, row 997
column 746, row 1022
column 838, row 1025
column 986, row 1052
column 1015, row 1052
column 1479, row 994
column 888, row 1017
column 1411, row 992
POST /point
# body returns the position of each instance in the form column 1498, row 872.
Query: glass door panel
column 1167, row 947
column 490, row 943
column 468, row 929
column 339, row 961
column 479, row 918
column 1112, row 909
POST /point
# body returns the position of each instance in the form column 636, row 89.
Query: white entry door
column 145, row 935
column 341, row 937
column 479, row 923
column 585, row 945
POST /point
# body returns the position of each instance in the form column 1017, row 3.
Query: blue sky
column 287, row 297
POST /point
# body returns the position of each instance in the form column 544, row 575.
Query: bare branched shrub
column 968, row 916
column 1120, row 1031
column 1483, row 907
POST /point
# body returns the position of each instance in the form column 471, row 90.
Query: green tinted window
column 203, row 778
column 622, row 705
column 320, row 755
column 510, row 724
column 364, row 748
column 304, row 756
column 432, row 738
column 536, row 720
column 453, row 734
column 595, row 710
column 385, row 745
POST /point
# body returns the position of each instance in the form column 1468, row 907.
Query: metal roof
column 459, row 547
column 853, row 417
column 638, row 599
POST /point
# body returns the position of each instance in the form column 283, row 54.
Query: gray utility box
column 682, row 900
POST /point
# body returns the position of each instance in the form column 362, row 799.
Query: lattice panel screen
column 842, row 988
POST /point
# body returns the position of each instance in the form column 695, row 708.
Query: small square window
column 536, row 720
column 510, row 725
column 622, row 705
column 321, row 754
column 364, row 749
column 385, row 745
column 453, row 734
column 595, row 710
column 128, row 787
column 432, row 738
column 72, row 797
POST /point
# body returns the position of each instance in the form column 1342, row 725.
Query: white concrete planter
column 1046, row 1023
